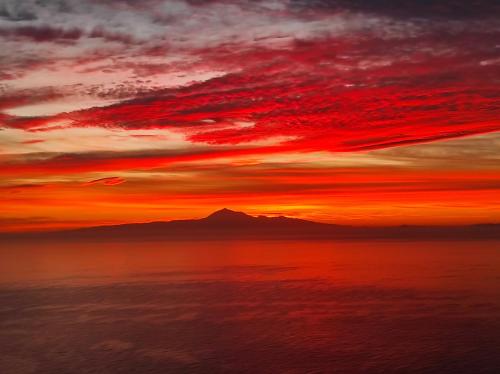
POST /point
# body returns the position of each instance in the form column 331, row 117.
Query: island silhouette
column 229, row 224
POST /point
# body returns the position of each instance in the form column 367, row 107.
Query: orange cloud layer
column 369, row 195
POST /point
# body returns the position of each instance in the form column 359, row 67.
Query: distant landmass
column 228, row 224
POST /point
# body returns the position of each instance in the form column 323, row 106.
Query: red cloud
column 33, row 141
column 109, row 181
column 43, row 33
column 112, row 161
column 349, row 92
column 318, row 102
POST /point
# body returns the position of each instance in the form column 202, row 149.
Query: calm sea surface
column 250, row 307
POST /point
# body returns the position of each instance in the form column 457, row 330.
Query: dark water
column 250, row 307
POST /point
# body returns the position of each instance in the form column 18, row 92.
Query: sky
column 351, row 112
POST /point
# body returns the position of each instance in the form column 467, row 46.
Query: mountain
column 229, row 224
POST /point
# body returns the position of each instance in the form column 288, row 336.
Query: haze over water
column 246, row 307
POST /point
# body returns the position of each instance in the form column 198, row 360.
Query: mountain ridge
column 229, row 224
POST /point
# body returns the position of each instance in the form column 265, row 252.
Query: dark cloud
column 26, row 186
column 57, row 163
column 42, row 33
column 108, row 181
column 20, row 98
column 432, row 9
column 14, row 15
column 17, row 220
column 46, row 33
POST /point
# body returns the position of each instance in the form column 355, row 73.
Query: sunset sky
column 351, row 112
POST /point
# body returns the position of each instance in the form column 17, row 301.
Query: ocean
column 250, row 307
